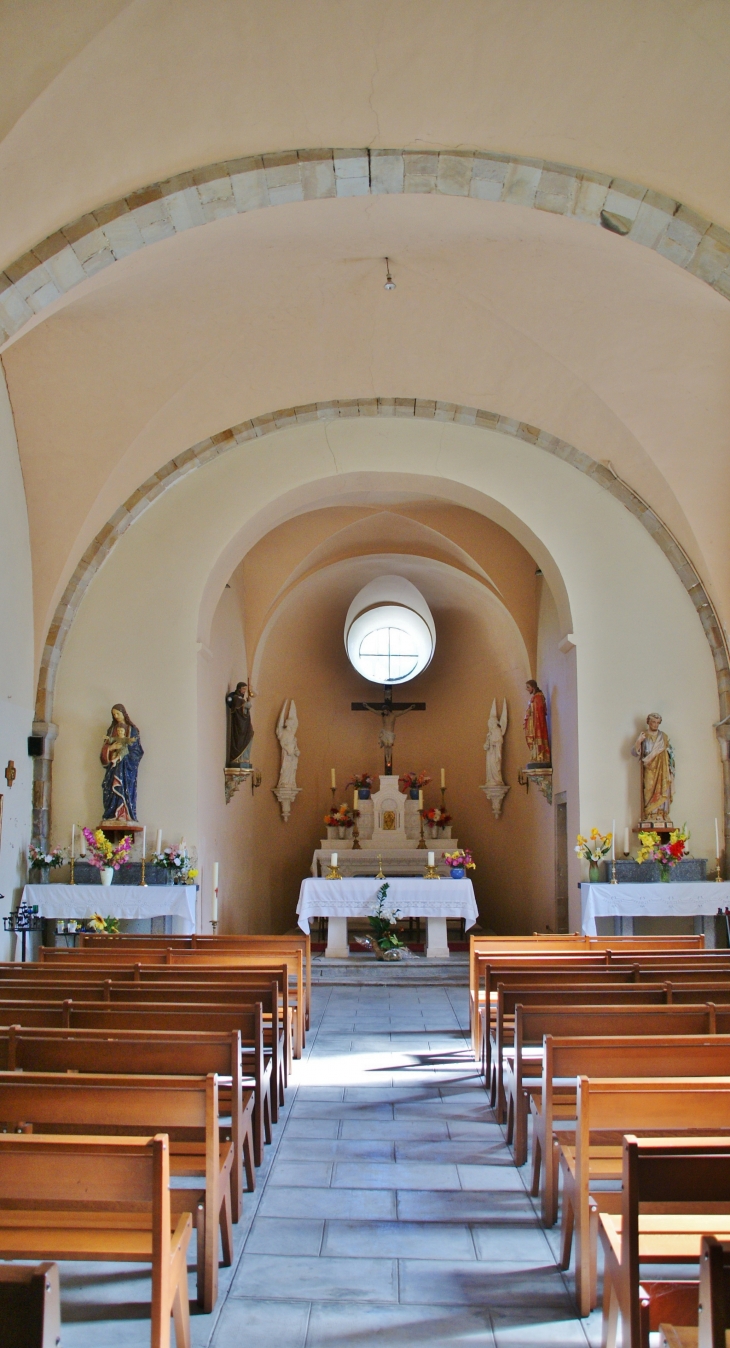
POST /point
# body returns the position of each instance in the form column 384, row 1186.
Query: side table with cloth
column 700, row 899
column 123, row 901
column 411, row 895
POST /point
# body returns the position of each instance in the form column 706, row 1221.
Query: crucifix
column 388, row 711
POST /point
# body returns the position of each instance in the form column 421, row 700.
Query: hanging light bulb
column 389, row 282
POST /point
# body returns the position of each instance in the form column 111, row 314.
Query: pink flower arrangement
column 102, row 853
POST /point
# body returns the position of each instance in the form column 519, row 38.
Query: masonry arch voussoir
column 112, row 232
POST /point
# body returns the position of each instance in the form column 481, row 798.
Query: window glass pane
column 387, row 653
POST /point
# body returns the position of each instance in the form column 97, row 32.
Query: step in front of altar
column 392, row 861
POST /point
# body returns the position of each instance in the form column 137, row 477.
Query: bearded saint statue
column 536, row 726
column 657, row 773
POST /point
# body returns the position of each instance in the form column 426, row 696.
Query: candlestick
column 627, row 848
column 355, row 830
column 717, row 842
column 158, row 842
column 333, row 873
column 73, row 864
column 443, row 778
column 718, row 877
column 422, row 841
column 420, row 800
column 333, row 779
column 214, row 898
column 380, row 875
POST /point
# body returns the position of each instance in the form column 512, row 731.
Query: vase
column 106, row 875
column 664, row 872
column 363, row 793
column 413, row 793
column 44, row 874
column 341, row 832
column 433, row 831
column 594, row 873
column 458, row 872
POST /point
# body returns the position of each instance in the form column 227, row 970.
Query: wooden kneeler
column 98, row 1199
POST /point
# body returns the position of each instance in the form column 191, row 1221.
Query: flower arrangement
column 341, row 818
column 414, row 781
column 460, row 860
column 110, row 925
column 436, row 816
column 102, row 853
column 595, row 847
column 360, row 781
column 667, row 854
column 39, row 860
column 382, row 921
column 177, row 860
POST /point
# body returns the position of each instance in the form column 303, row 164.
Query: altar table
column 412, row 896
column 123, row 901
column 700, row 898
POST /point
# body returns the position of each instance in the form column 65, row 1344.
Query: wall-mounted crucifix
column 388, row 711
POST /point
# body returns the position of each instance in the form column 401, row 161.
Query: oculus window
column 389, row 644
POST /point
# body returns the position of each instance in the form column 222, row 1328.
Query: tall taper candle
column 354, row 801
column 443, row 778
column 82, row 845
column 333, row 860
column 214, row 896
column 627, row 847
column 144, row 841
column 333, row 779
column 613, row 840
column 431, row 859
column 73, row 839
column 420, row 800
column 717, row 842
column 158, row 841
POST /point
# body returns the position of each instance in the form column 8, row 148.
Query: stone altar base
column 414, row 972
column 394, row 861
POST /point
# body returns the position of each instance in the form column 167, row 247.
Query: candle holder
column 333, row 789
column 718, row 876
column 73, row 867
column 143, row 882
column 380, row 875
column 422, row 841
column 214, row 925
column 443, row 797
column 355, row 833
column 614, row 881
column 431, row 873
column 334, row 873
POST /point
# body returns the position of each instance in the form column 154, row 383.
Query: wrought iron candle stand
column 23, row 919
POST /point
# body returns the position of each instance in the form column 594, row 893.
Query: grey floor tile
column 313, row 1109
column 527, row 1328
column 421, row 1128
column 521, row 1243
column 398, row 1240
column 336, row 1149
column 474, row 1206
column 282, row 1235
column 482, row 1284
column 348, row 1326
column 409, row 1175
column 464, row 1152
column 322, row 1279
column 293, row 1174
column 311, row 1128
column 260, row 1324
column 362, row 1204
column 490, row 1177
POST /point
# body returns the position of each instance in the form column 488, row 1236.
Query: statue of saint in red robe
column 536, row 726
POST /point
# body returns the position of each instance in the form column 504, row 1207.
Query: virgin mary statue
column 120, row 755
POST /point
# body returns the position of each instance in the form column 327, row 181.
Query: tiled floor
column 388, row 1208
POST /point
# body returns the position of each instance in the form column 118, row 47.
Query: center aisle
column 392, row 1207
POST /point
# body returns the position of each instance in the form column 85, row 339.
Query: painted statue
column 536, row 726
column 120, row 756
column 240, row 730
column 657, row 773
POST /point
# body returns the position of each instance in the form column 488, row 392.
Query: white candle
column 717, row 841
column 144, row 841
column 158, row 841
column 613, row 840
column 82, row 845
column 443, row 777
column 214, row 896
column 627, row 848
column 420, row 800
column 333, row 779
column 354, row 800
column 182, row 845
column 432, row 858
column 333, row 860
column 73, row 839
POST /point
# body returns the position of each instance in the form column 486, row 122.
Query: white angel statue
column 286, row 789
column 495, row 788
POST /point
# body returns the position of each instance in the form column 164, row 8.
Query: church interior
column 365, row 673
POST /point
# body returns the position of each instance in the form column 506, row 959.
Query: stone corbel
column 286, row 795
column 235, row 777
column 495, row 795
column 541, row 775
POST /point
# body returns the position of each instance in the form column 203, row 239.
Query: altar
column 412, row 896
column 699, row 899
column 121, row 901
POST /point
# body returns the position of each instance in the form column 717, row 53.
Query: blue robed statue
column 120, row 756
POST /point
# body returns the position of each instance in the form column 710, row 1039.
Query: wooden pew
column 98, row 1199
column 523, row 1066
column 194, row 959
column 185, row 1107
column 30, row 1305
column 148, row 1053
column 683, row 1187
column 708, row 1328
column 621, row 1106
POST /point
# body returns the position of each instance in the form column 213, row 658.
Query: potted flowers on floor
column 383, row 920
column 45, row 862
column 106, row 856
column 459, row 863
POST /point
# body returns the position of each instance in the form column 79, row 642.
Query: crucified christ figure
column 388, row 711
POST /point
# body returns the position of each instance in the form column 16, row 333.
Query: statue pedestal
column 116, row 829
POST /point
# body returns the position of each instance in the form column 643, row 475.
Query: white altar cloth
column 700, row 898
column 411, row 895
column 124, row 901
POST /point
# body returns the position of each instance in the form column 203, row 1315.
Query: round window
column 389, row 643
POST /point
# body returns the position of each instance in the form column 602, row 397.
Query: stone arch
column 106, row 235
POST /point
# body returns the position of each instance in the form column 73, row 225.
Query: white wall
column 633, row 654
column 16, row 665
